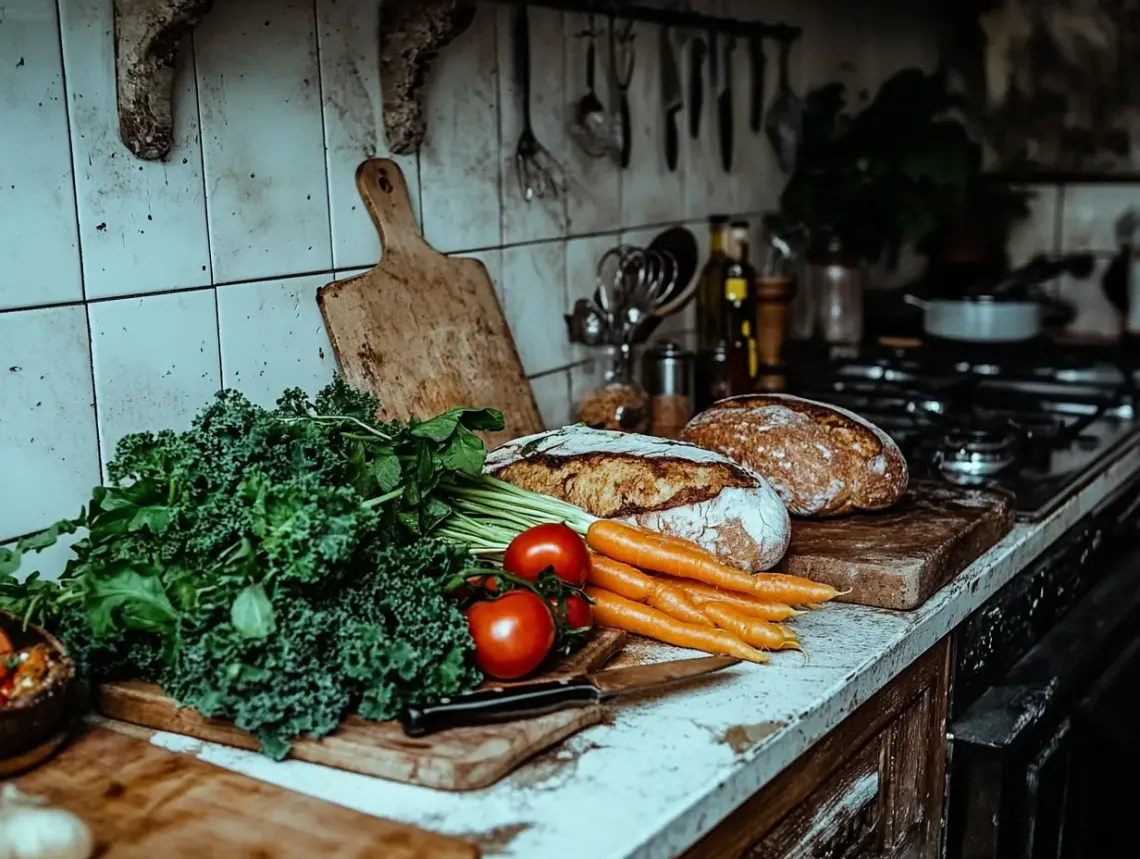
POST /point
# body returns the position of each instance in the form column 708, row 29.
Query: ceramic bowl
column 28, row 722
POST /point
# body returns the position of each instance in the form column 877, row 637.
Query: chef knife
column 673, row 98
column 506, row 704
column 759, row 62
column 724, row 105
column 696, row 85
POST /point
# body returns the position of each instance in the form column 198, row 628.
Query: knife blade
column 506, row 704
column 724, row 105
column 759, row 61
column 673, row 98
column 696, row 85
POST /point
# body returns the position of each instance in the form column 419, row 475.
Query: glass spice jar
column 619, row 403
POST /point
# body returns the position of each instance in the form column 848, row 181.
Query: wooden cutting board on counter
column 421, row 331
column 143, row 802
column 459, row 759
column 897, row 558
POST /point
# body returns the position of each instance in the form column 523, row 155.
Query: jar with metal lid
column 619, row 403
column 667, row 374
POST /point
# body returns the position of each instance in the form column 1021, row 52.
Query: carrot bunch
column 674, row 591
column 651, row 584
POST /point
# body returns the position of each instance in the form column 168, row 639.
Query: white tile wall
column 155, row 361
column 37, row 167
column 142, row 225
column 1079, row 218
column 169, row 279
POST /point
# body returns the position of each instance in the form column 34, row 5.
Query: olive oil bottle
column 710, row 293
column 740, row 312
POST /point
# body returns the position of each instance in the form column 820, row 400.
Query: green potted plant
column 881, row 177
column 901, row 171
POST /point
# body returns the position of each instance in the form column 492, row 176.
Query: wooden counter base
column 871, row 788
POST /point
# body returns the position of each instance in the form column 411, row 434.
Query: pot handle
column 915, row 301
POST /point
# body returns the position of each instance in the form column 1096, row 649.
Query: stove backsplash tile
column 275, row 105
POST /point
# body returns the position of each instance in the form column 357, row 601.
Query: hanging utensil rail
column 674, row 18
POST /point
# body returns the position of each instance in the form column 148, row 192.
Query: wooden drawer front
column 871, row 789
column 914, row 738
column 841, row 820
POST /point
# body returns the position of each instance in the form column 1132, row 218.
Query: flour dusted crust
column 821, row 459
column 667, row 486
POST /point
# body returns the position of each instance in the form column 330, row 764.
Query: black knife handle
column 672, row 142
column 626, row 130
column 499, row 704
column 724, row 109
column 696, row 88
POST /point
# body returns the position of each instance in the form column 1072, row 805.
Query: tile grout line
column 206, row 212
column 615, row 233
column 324, row 134
column 79, row 243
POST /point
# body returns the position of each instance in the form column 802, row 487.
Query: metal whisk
column 539, row 174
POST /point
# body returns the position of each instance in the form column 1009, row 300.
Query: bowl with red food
column 36, row 678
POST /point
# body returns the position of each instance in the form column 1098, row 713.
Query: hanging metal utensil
column 759, row 68
column 786, row 115
column 673, row 97
column 590, row 128
column 623, row 57
column 724, row 105
column 539, row 175
column 697, row 56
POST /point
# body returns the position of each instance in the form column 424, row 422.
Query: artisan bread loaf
column 667, row 486
column 822, row 460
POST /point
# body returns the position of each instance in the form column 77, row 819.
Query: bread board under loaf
column 897, row 558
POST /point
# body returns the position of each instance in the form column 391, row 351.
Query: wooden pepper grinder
column 773, row 295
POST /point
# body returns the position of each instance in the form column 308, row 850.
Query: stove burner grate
column 978, row 451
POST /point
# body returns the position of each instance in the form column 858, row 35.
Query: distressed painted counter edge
column 668, row 768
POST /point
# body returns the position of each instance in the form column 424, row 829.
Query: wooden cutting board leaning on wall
column 422, row 331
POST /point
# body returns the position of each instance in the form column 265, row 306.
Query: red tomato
column 553, row 545
column 513, row 634
column 579, row 613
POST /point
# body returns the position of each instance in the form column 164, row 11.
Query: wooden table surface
column 143, row 802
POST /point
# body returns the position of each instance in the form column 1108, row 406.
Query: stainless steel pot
column 979, row 320
column 1010, row 311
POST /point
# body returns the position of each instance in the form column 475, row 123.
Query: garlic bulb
column 31, row 829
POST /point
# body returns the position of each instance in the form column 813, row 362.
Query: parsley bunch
column 271, row 566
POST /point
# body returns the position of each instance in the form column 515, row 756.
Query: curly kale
column 270, row 566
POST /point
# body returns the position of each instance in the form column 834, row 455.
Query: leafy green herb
column 270, row 566
column 252, row 613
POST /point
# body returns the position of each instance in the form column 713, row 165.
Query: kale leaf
column 270, row 566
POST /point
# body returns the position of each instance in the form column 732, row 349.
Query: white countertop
column 669, row 768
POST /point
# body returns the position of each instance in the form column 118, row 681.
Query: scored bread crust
column 667, row 486
column 822, row 460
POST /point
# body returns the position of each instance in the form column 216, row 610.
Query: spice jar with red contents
column 619, row 403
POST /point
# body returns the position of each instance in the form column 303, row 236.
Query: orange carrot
column 620, row 613
column 649, row 551
column 625, row 581
column 699, row 594
column 751, row 630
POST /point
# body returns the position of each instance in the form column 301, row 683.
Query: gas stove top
column 1039, row 429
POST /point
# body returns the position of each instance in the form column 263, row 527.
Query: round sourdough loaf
column 667, row 486
column 822, row 460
